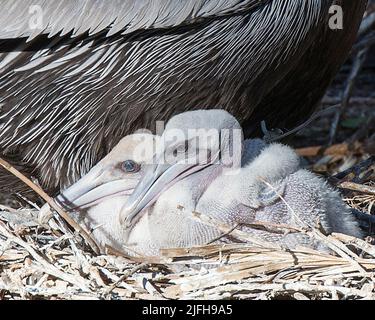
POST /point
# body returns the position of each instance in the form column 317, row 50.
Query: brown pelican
column 169, row 192
column 159, row 213
column 96, row 199
column 76, row 76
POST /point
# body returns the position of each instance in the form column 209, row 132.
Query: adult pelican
column 76, row 76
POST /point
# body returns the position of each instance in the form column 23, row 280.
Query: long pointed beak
column 157, row 179
column 90, row 190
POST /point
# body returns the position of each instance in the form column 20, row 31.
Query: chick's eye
column 181, row 149
column 130, row 166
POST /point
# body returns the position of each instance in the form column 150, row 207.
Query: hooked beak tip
column 126, row 218
column 128, row 223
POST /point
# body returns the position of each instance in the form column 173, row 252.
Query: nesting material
column 39, row 262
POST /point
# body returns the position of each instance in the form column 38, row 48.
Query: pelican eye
column 130, row 166
column 181, row 149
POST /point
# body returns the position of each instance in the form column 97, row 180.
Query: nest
column 44, row 263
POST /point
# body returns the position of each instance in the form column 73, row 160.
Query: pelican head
column 115, row 175
column 191, row 142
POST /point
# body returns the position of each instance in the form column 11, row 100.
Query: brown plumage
column 94, row 73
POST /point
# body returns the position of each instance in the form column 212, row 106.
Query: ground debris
column 30, row 269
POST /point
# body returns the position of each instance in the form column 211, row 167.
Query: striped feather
column 64, row 105
column 94, row 16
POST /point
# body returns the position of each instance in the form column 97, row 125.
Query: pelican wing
column 29, row 18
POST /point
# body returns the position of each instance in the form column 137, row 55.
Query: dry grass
column 38, row 262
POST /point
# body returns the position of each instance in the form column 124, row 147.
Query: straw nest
column 44, row 262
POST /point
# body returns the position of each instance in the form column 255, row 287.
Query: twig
column 223, row 235
column 47, row 267
column 341, row 148
column 82, row 261
column 52, row 204
column 367, row 24
column 125, row 276
column 356, row 68
column 268, row 226
column 363, row 131
column 357, row 169
column 359, row 243
column 224, row 228
column 294, row 214
column 269, row 138
column 357, row 187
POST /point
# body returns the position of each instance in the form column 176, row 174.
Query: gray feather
column 64, row 105
column 94, row 16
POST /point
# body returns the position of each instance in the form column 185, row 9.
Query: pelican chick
column 169, row 192
column 272, row 188
column 96, row 199
column 230, row 184
column 175, row 178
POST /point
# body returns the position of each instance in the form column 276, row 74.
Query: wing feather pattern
column 18, row 17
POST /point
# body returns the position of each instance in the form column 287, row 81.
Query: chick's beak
column 92, row 189
column 157, row 179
